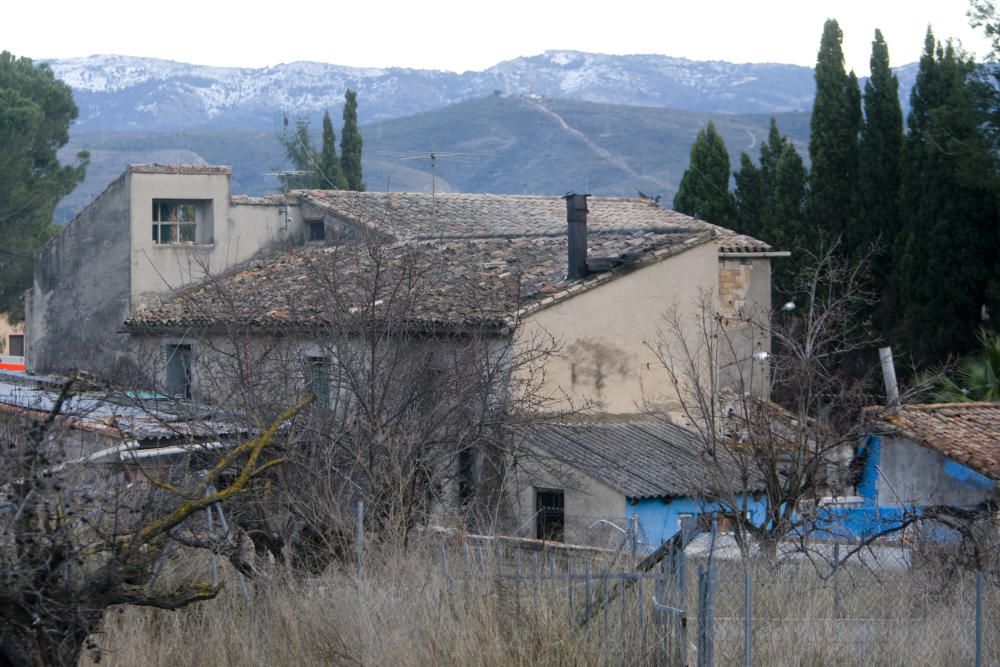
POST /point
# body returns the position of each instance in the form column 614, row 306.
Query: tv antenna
column 283, row 179
column 434, row 156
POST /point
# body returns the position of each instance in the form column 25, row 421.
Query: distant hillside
column 118, row 93
column 508, row 144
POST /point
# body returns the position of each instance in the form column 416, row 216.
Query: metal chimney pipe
column 889, row 377
column 576, row 221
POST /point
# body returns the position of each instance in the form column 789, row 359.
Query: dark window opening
column 550, row 510
column 316, row 230
column 178, row 375
column 174, row 222
column 320, row 376
column 16, row 346
column 467, row 474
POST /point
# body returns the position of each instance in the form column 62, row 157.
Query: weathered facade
column 577, row 477
column 118, row 257
column 207, row 292
column 920, row 457
column 495, row 264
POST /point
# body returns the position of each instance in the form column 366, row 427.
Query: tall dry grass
column 405, row 612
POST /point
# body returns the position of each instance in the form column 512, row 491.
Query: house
column 154, row 229
column 168, row 273
column 918, row 460
column 11, row 344
column 583, row 477
column 490, row 263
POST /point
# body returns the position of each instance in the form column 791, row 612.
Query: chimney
column 576, row 220
column 889, row 378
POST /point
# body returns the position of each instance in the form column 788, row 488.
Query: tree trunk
column 41, row 645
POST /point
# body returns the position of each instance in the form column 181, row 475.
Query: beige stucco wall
column 6, row 331
column 604, row 362
column 227, row 233
column 586, row 501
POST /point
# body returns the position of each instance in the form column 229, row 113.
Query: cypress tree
column 350, row 143
column 879, row 155
column 330, row 175
column 833, row 141
column 788, row 229
column 770, row 200
column 704, row 189
column 949, row 245
column 748, row 198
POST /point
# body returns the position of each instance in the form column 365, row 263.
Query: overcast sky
column 461, row 35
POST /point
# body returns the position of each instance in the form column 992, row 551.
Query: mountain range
column 546, row 123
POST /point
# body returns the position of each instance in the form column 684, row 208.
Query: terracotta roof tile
column 479, row 259
column 968, row 433
column 179, row 169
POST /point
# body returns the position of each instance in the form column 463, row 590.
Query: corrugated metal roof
column 642, row 457
column 117, row 415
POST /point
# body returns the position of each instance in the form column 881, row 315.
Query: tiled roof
column 640, row 457
column 968, row 433
column 479, row 259
column 450, row 283
column 729, row 241
column 408, row 216
column 179, row 169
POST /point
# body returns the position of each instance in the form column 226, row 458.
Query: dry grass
column 401, row 613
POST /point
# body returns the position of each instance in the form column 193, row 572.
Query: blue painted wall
column 877, row 512
column 659, row 519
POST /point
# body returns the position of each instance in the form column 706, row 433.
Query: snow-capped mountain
column 121, row 92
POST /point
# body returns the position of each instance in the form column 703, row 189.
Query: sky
column 460, row 35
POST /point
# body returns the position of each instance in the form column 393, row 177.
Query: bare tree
column 417, row 375
column 74, row 540
column 780, row 424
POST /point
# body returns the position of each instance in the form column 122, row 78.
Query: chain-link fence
column 811, row 609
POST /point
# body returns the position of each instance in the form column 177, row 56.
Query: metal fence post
column 836, row 580
column 569, row 588
column 682, row 601
column 359, row 535
column 706, row 616
column 633, row 532
column 747, row 616
column 447, row 581
column 979, row 618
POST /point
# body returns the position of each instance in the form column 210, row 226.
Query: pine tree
column 704, row 189
column 833, row 141
column 36, row 110
column 949, row 246
column 350, row 143
column 330, row 174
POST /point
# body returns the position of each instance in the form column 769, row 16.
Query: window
column 316, row 230
column 174, row 221
column 16, row 346
column 550, row 511
column 468, row 474
column 178, row 370
column 320, row 376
